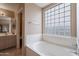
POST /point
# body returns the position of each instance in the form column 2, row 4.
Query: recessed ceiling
column 9, row 6
column 13, row 6
column 42, row 5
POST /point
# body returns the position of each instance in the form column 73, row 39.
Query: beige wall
column 20, row 8
column 73, row 20
column 33, row 18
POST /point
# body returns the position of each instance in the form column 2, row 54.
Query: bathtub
column 46, row 48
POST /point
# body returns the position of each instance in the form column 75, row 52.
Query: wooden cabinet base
column 7, row 41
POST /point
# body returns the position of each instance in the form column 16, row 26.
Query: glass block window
column 57, row 20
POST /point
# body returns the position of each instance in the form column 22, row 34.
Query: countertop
column 6, row 34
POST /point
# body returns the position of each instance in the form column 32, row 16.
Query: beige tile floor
column 12, row 52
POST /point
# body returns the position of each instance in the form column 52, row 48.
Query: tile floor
column 12, row 52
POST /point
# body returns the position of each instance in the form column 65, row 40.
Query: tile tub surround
column 30, row 39
column 44, row 47
column 61, row 40
column 7, row 41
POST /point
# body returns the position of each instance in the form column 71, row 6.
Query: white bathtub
column 44, row 48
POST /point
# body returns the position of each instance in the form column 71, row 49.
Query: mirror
column 5, row 24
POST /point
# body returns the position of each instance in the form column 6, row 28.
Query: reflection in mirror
column 5, row 24
column 4, row 28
